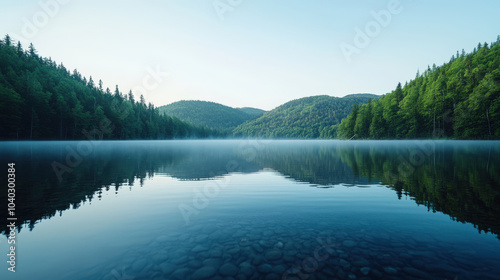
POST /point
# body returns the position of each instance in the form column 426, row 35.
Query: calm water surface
column 254, row 209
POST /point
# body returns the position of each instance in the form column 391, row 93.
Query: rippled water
column 255, row 209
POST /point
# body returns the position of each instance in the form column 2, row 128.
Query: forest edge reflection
column 458, row 178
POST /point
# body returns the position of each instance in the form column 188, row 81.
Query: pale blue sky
column 261, row 53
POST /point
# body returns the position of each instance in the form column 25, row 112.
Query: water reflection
column 319, row 163
column 460, row 179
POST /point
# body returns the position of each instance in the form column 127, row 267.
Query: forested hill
column 210, row 114
column 40, row 99
column 254, row 112
column 460, row 99
column 309, row 117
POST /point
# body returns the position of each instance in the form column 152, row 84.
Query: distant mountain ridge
column 210, row 114
column 308, row 117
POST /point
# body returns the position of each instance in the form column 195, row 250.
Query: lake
column 254, row 209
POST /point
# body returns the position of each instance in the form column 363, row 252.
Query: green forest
column 305, row 118
column 209, row 114
column 40, row 99
column 458, row 100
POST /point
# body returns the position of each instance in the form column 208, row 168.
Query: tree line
column 40, row 99
column 460, row 99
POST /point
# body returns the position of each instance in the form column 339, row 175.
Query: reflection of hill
column 317, row 162
column 204, row 162
column 459, row 179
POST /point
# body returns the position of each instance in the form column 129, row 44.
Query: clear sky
column 256, row 53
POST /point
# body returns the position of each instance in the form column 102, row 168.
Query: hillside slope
column 209, row 114
column 309, row 117
column 460, row 99
column 252, row 111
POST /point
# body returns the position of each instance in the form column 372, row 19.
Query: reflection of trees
column 40, row 195
column 316, row 162
column 460, row 180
